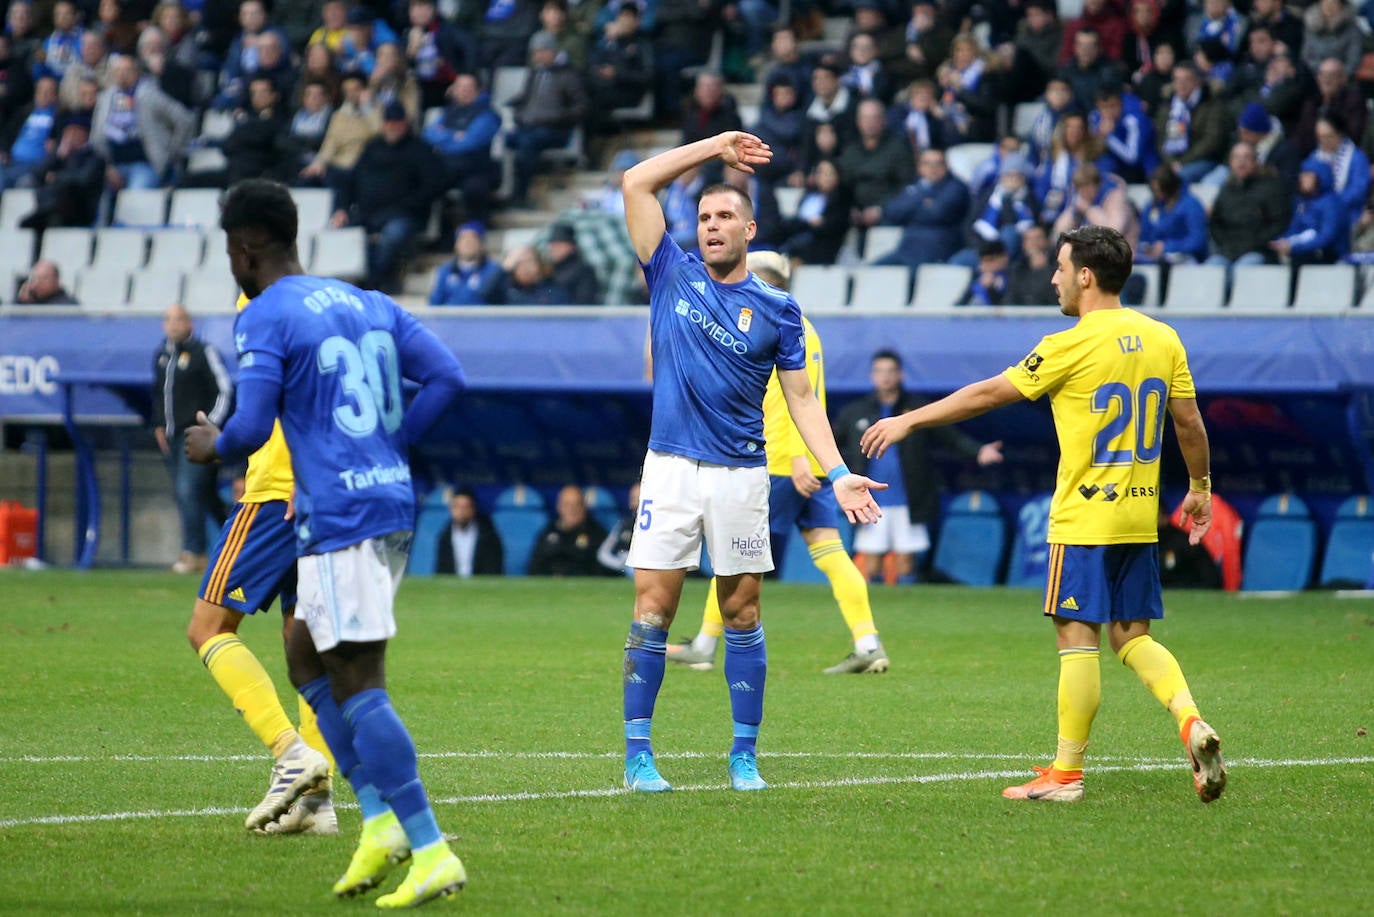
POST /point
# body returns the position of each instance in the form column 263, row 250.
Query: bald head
column 176, row 323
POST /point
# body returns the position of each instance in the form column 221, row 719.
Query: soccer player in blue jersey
column 329, row 359
column 1111, row 379
column 716, row 333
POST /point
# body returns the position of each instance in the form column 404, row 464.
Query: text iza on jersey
column 714, row 331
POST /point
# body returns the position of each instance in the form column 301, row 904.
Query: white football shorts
column 684, row 501
column 893, row 532
column 348, row 595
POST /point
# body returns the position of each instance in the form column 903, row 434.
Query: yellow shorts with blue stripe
column 1104, row 583
column 254, row 560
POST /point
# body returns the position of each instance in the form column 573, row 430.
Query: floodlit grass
column 124, row 774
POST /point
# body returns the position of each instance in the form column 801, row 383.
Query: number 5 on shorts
column 646, row 517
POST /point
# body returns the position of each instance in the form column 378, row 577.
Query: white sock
column 866, row 644
column 705, row 643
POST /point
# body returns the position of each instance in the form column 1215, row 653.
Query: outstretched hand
column 743, row 151
column 885, row 433
column 854, row 494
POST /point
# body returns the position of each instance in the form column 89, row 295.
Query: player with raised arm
column 329, row 359
column 716, row 333
column 798, row 497
column 254, row 562
column 1110, row 378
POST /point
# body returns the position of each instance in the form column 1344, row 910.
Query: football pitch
column 125, row 775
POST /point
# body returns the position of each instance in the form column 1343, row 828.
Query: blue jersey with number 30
column 342, row 353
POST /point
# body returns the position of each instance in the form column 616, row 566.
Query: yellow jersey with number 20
column 269, row 474
column 781, row 438
column 1109, row 379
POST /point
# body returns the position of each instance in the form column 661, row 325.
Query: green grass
column 96, row 671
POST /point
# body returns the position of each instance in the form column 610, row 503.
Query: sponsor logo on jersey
column 1031, row 365
column 723, row 337
column 377, row 475
column 746, row 318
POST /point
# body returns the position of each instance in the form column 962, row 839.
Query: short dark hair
column 261, row 206
column 726, row 188
column 887, row 354
column 1102, row 250
column 1336, row 119
column 1166, row 180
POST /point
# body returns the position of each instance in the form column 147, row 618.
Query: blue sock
column 339, row 736
column 746, row 671
column 645, row 656
column 385, row 748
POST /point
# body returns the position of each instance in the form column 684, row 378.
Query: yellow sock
column 1160, row 671
column 310, row 730
column 848, row 585
column 1080, row 693
column 242, row 677
column 712, row 624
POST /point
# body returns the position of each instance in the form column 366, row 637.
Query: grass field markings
column 573, row 756
column 1139, row 766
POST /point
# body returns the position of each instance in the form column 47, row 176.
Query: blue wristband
column 837, row 472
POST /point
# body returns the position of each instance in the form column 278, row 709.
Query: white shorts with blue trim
column 349, row 595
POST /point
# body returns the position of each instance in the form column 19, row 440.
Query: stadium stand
column 519, row 515
column 1259, row 288
column 1325, row 288
column 1195, row 288
column 939, row 286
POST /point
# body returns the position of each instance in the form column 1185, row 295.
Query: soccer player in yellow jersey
column 799, row 496
column 1110, row 379
column 254, row 562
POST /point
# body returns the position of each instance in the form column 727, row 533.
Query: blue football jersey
column 714, row 347
column 343, row 355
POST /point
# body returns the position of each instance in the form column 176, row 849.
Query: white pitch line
column 1140, row 766
column 573, row 756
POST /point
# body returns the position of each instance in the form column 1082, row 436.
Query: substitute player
column 254, row 562
column 797, row 496
column 716, row 333
column 1110, row 379
column 330, row 359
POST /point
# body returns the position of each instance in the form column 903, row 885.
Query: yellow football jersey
column 269, row 474
column 1109, row 378
column 781, row 438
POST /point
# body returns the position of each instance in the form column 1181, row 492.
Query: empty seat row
column 873, row 288
column 156, row 207
column 1257, row 288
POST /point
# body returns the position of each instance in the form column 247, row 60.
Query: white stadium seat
column 1259, row 288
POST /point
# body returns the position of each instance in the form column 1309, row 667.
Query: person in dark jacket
column 1028, row 281
column 470, row 546
column 471, row 278
column 879, row 164
column 70, row 182
column 682, row 38
column 1251, row 209
column 569, row 270
column 189, row 376
column 463, row 136
column 912, row 498
column 931, row 212
column 817, row 231
column 527, row 282
column 619, row 68
column 436, row 51
column 257, row 146
column 44, row 287
column 552, row 102
column 567, row 546
column 711, row 111
column 389, row 194
column 782, row 125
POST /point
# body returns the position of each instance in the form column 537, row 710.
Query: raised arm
column 641, row 184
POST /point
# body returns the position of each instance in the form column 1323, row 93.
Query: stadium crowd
column 1248, row 122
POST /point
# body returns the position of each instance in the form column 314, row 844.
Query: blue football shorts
column 787, row 508
column 1104, row 583
column 254, row 560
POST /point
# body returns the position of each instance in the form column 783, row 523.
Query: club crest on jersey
column 746, row 318
column 699, row 286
